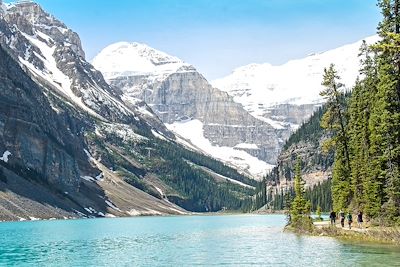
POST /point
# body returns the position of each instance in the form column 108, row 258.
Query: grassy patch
column 384, row 235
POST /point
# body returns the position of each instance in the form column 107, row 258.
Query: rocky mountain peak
column 298, row 82
column 53, row 54
column 30, row 17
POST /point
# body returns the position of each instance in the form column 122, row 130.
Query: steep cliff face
column 188, row 96
column 35, row 137
column 181, row 96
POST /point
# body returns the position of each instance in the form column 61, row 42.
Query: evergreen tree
column 300, row 207
column 260, row 195
column 364, row 185
column 320, row 195
column 385, row 116
column 334, row 120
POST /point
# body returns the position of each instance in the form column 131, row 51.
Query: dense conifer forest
column 363, row 133
column 366, row 135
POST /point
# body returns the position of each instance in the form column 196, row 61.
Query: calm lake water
column 243, row 240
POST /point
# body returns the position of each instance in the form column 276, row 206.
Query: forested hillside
column 366, row 135
column 306, row 143
column 361, row 130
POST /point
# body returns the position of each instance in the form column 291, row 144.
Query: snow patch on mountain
column 193, row 130
column 158, row 135
column 123, row 131
column 246, row 146
column 52, row 73
column 131, row 59
column 5, row 156
column 260, row 86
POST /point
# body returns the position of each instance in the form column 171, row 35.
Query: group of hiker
column 343, row 217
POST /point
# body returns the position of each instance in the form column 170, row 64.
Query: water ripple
column 178, row 241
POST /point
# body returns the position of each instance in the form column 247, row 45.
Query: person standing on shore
column 332, row 216
column 360, row 219
column 349, row 219
column 341, row 214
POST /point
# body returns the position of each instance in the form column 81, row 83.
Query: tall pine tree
column 300, row 207
column 334, row 120
column 364, row 185
column 385, row 116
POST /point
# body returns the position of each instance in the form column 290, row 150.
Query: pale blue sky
column 217, row 36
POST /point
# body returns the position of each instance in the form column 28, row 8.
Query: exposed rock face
column 316, row 166
column 290, row 114
column 38, row 139
column 178, row 93
column 188, row 95
column 26, row 15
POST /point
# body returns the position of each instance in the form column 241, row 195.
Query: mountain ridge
column 180, row 96
column 283, row 111
column 81, row 147
column 143, row 59
column 255, row 85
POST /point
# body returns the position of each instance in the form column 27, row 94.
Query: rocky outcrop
column 37, row 38
column 290, row 114
column 316, row 167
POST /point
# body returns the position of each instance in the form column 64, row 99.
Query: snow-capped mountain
column 190, row 107
column 146, row 64
column 53, row 54
column 278, row 98
column 72, row 147
column 129, row 59
column 58, row 100
column 263, row 89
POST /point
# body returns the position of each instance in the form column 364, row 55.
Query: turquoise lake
column 241, row 240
